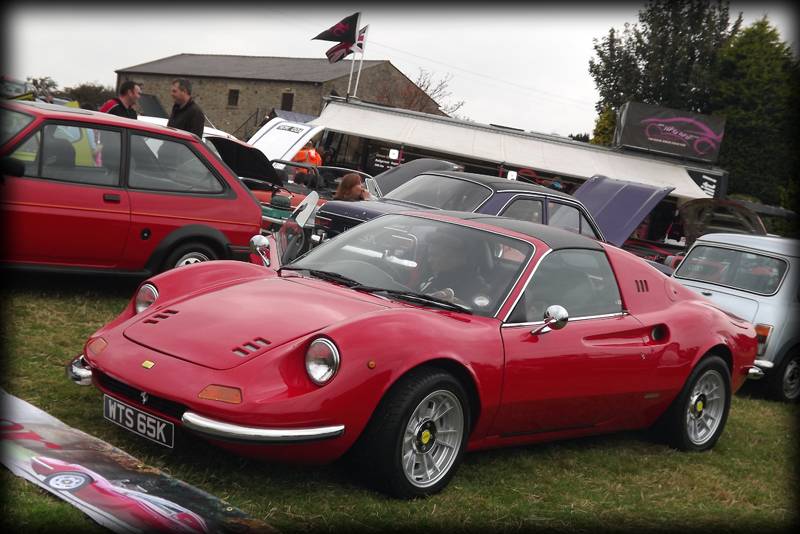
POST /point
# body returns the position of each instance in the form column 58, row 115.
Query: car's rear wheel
column 417, row 435
column 68, row 481
column 697, row 417
column 784, row 384
column 188, row 254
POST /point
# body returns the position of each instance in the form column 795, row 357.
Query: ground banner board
column 110, row 486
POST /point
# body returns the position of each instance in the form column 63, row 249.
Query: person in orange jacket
column 308, row 154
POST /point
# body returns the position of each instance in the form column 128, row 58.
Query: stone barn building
column 238, row 93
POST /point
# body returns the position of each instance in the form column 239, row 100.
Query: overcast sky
column 516, row 65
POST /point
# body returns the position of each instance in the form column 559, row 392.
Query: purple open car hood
column 619, row 206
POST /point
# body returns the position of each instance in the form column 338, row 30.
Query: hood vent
column 160, row 316
column 250, row 347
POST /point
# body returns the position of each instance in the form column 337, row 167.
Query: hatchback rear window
column 738, row 269
column 11, row 123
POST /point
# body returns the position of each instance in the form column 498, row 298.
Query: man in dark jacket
column 186, row 114
column 122, row 105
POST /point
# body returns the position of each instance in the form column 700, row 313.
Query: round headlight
column 322, row 361
column 145, row 297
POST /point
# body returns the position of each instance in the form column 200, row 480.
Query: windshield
column 411, row 257
column 441, row 192
column 738, row 269
column 11, row 123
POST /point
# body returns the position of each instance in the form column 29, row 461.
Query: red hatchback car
column 413, row 338
column 98, row 192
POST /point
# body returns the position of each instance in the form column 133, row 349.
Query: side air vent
column 641, row 286
column 250, row 347
column 160, row 316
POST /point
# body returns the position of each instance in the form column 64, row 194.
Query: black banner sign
column 670, row 131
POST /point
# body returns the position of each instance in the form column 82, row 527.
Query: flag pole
column 361, row 61
column 352, row 63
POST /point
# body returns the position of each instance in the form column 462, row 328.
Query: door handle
column 706, row 293
column 111, row 197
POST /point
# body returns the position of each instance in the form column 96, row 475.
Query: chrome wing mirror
column 259, row 244
column 555, row 318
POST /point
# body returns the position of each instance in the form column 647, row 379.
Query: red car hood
column 225, row 328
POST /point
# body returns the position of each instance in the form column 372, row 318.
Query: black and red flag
column 344, row 31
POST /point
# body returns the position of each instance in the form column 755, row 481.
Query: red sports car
column 413, row 338
column 125, row 508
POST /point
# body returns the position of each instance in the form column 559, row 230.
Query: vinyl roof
column 501, row 184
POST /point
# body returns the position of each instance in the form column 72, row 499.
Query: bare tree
column 428, row 94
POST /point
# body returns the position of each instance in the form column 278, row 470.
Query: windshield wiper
column 415, row 297
column 324, row 275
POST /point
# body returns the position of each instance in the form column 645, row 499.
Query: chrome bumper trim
column 218, row 429
column 78, row 371
column 759, row 366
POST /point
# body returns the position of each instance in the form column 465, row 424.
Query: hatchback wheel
column 697, row 417
column 417, row 435
column 187, row 254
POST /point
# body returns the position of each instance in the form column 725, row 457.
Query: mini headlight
column 145, row 297
column 322, row 361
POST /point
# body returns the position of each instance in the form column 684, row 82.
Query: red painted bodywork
column 63, row 224
column 593, row 376
column 130, row 506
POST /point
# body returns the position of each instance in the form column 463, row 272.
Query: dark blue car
column 462, row 191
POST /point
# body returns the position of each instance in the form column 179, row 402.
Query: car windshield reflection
column 423, row 261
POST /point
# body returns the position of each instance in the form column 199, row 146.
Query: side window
column 579, row 280
column 586, row 228
column 563, row 216
column 524, row 209
column 162, row 165
column 72, row 154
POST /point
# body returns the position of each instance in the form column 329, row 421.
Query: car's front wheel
column 784, row 384
column 697, row 417
column 417, row 435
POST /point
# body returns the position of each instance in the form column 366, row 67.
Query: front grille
column 164, row 406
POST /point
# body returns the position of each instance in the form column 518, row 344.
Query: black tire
column 68, row 481
column 186, row 253
column 689, row 410
column 784, row 381
column 377, row 454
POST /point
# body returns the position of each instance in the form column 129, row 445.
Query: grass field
column 623, row 482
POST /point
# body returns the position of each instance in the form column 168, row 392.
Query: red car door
column 172, row 186
column 68, row 208
column 591, row 372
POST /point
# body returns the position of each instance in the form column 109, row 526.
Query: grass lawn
column 620, row 482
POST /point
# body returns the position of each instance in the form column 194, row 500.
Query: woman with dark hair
column 351, row 188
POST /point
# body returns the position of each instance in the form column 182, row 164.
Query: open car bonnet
column 242, row 321
column 245, row 160
column 708, row 215
column 619, row 206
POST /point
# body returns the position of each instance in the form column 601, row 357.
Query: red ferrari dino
column 413, row 338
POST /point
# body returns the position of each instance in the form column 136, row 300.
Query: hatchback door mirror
column 555, row 318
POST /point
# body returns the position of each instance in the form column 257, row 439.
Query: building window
column 287, row 101
column 233, row 97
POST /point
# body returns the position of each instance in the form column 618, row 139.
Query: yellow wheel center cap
column 425, row 437
column 699, row 406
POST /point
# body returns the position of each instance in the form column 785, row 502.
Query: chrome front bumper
column 758, row 370
column 227, row 431
column 78, row 371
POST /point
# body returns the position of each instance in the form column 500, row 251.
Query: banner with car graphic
column 669, row 131
column 110, row 486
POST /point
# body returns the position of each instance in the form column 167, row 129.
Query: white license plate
column 139, row 422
